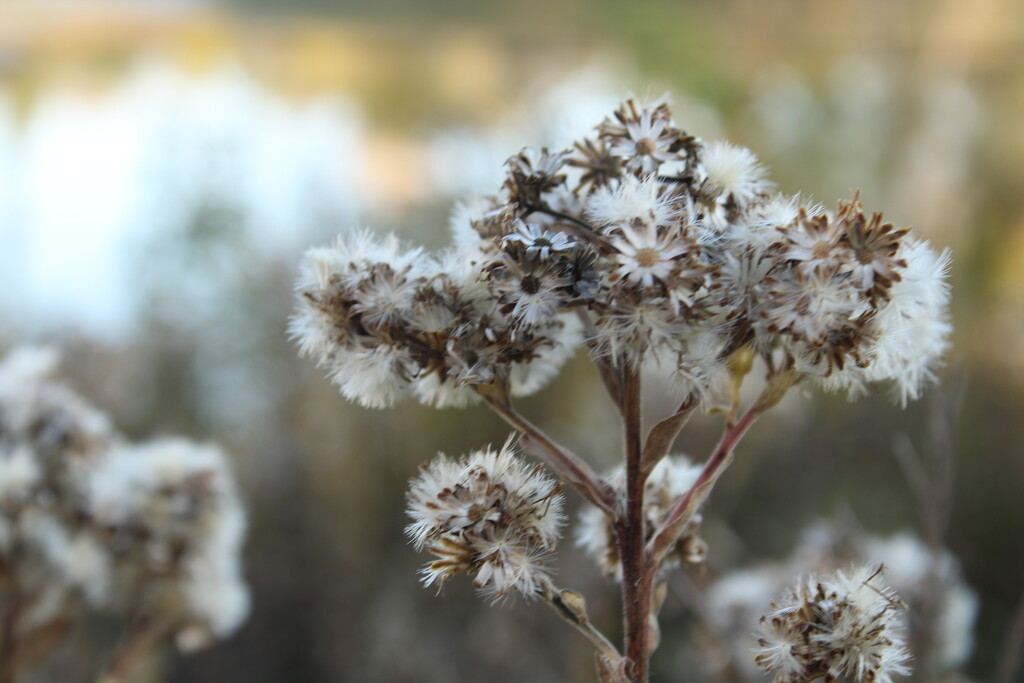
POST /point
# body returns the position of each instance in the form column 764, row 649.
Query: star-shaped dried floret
column 873, row 246
column 599, row 164
column 538, row 242
column 645, row 138
column 532, row 174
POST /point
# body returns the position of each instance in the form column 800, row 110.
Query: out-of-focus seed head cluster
column 88, row 520
column 490, row 515
column 941, row 607
column 838, row 627
column 670, row 479
column 645, row 242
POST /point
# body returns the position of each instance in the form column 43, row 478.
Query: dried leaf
column 663, row 435
column 776, row 390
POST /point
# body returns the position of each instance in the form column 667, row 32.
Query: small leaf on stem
column 663, row 435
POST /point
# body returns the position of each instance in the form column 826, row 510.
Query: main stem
column 637, row 574
column 8, row 634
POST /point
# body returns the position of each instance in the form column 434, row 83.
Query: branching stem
column 682, row 512
column 569, row 606
column 637, row 568
column 569, row 466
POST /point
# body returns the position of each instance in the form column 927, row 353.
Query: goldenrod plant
column 643, row 245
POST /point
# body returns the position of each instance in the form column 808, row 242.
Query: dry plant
column 147, row 534
column 646, row 246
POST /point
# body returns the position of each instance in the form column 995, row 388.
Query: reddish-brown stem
column 637, row 569
column 130, row 655
column 8, row 631
column 681, row 513
column 567, row 465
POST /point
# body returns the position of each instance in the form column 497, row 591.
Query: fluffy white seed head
column 177, row 501
column 844, row 625
column 20, row 474
column 921, row 575
column 631, row 200
column 734, row 171
column 669, row 249
column 490, row 515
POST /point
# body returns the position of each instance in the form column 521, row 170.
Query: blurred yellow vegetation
column 455, row 71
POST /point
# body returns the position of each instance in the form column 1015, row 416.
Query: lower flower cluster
column 148, row 532
column 490, row 515
column 839, row 626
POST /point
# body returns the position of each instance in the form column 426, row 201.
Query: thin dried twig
column 570, row 467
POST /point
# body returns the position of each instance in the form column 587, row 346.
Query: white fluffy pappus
column 373, row 378
column 910, row 332
column 489, row 514
column 629, row 200
column 843, row 625
column 345, row 265
column 19, row 474
column 734, row 171
column 180, row 493
column 529, row 378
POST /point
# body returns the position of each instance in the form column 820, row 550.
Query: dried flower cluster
column 839, row 626
column 149, row 532
column 665, row 246
column 489, row 515
column 670, row 479
column 642, row 243
column 928, row 580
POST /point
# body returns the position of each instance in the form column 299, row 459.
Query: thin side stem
column 586, row 230
column 132, row 652
column 569, row 466
column 637, row 569
column 682, row 512
column 573, row 611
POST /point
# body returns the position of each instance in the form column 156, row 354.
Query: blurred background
column 163, row 165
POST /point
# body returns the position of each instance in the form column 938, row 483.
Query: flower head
column 839, row 626
column 733, row 173
column 538, row 242
column 644, row 137
column 489, row 515
column 645, row 256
